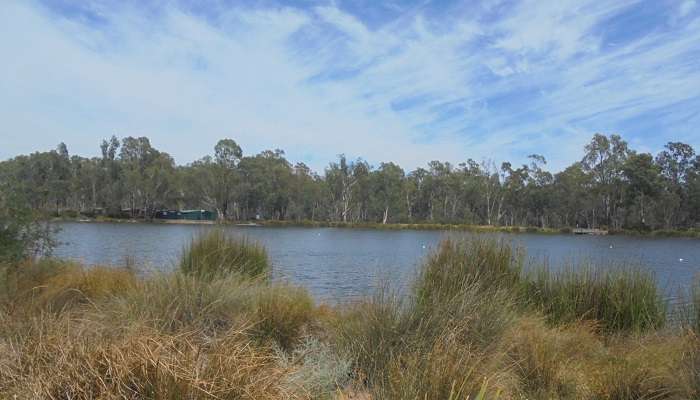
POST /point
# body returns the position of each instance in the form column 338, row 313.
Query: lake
column 337, row 264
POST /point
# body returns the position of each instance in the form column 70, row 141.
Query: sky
column 403, row 81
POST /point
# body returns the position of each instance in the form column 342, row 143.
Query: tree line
column 612, row 187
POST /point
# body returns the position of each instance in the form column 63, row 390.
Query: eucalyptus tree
column 306, row 193
column 675, row 163
column 514, row 192
column 341, row 178
column 493, row 192
column 604, row 159
column 387, row 185
column 265, row 181
column 111, row 179
column 137, row 157
column 539, row 191
column 611, row 186
column 644, row 182
column 215, row 178
column 573, row 199
column 414, row 194
column 467, row 185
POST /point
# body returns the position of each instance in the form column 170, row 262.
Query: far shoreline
column 660, row 233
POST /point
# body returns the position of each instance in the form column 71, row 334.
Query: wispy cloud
column 500, row 80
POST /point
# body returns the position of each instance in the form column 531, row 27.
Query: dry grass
column 56, row 286
column 64, row 358
column 549, row 362
column 68, row 332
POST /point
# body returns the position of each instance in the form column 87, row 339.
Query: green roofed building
column 197, row 215
column 192, row 215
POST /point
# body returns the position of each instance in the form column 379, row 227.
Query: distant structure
column 190, row 215
column 586, row 231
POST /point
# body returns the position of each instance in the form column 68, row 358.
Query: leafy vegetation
column 611, row 187
column 22, row 233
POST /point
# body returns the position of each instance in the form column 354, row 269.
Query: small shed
column 192, row 215
column 197, row 215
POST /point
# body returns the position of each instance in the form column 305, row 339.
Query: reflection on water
column 337, row 264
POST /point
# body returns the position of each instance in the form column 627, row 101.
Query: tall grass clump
column 215, row 253
column 619, row 299
column 441, row 339
column 56, row 286
column 689, row 308
column 458, row 264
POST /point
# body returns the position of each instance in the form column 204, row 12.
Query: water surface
column 338, row 264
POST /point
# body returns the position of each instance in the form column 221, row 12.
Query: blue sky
column 406, row 81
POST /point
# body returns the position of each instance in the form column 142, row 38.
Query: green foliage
column 215, row 253
column 22, row 233
column 612, row 187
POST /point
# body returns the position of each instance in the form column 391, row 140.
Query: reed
column 689, row 308
column 457, row 264
column 620, row 299
column 439, row 341
column 214, row 253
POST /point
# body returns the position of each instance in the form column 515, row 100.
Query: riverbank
column 687, row 233
column 473, row 326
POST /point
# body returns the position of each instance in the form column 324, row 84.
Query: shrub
column 216, row 253
column 317, row 370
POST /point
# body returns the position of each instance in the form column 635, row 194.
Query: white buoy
column 680, row 259
column 611, row 246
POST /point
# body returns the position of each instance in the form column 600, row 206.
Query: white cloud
column 320, row 82
column 686, row 7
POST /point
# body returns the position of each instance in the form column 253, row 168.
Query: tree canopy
column 612, row 186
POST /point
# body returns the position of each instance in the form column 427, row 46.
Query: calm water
column 338, row 264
